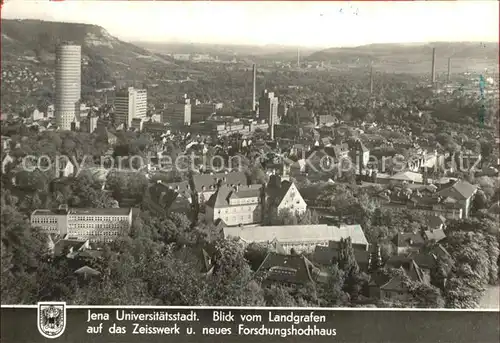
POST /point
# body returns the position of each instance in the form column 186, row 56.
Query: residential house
column 237, row 205
column 461, row 193
column 326, row 120
column 360, row 154
column 436, row 223
column 408, row 242
column 170, row 197
column 425, row 202
column 413, row 270
column 289, row 270
column 300, row 238
column 394, row 287
column 434, row 235
column 200, row 257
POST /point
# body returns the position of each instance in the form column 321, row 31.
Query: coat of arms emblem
column 51, row 319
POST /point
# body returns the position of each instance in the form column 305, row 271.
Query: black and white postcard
column 219, row 171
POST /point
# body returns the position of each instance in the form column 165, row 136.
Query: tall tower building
column 268, row 108
column 254, row 80
column 433, row 77
column 68, row 85
column 129, row 104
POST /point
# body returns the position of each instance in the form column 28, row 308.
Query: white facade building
column 130, row 104
column 94, row 224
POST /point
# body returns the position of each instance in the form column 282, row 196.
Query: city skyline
column 366, row 23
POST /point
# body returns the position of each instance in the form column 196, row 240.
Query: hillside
column 226, row 51
column 105, row 58
column 416, row 57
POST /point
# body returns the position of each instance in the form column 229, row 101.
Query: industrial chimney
column 254, row 77
column 298, row 57
column 371, row 80
column 449, row 70
column 433, row 65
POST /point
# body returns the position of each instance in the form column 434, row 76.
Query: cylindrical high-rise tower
column 68, row 84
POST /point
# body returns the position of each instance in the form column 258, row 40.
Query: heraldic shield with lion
column 51, row 319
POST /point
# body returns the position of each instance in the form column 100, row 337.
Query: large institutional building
column 68, row 85
column 130, row 104
column 268, row 108
column 178, row 114
column 94, row 224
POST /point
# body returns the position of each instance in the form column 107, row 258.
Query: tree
column 332, row 292
column 425, row 296
column 279, row 296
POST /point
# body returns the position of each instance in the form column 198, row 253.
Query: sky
column 298, row 23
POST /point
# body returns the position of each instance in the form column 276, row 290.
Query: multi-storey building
column 68, row 85
column 94, row 224
column 237, row 205
column 268, row 109
column 284, row 195
column 129, row 104
column 205, row 185
column 201, row 112
column 178, row 114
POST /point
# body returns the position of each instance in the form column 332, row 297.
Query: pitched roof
column 405, row 239
column 440, row 251
column 207, row 180
column 289, row 268
column 378, row 278
column 423, row 260
column 461, row 190
column 222, row 196
column 435, row 221
column 325, row 255
column 200, row 255
column 395, row 284
column 408, row 176
column 409, row 266
column 434, row 235
column 86, row 270
column 298, row 233
column 278, row 191
column 64, row 245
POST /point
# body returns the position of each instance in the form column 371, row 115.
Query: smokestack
column 298, row 57
column 254, row 78
column 271, row 127
column 449, row 70
column 371, row 80
column 433, row 65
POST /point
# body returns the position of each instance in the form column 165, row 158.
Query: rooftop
column 83, row 211
column 298, row 233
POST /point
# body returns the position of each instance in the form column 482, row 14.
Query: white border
column 361, row 309
column 53, row 303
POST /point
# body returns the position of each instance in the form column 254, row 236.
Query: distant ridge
column 415, row 57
